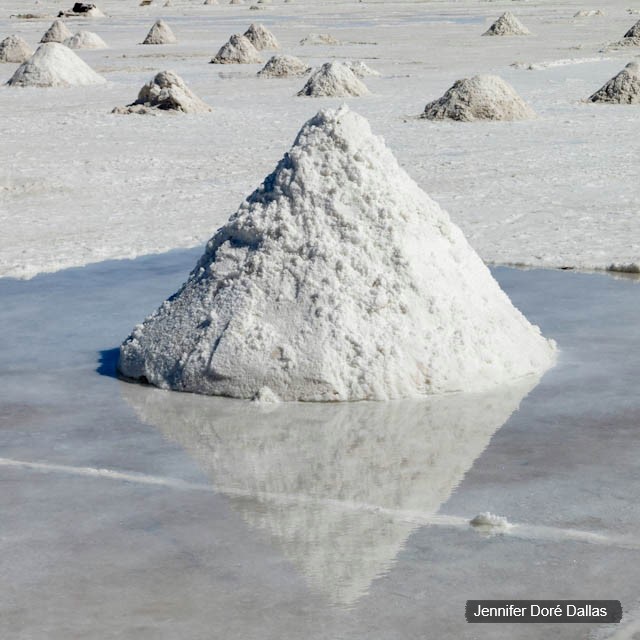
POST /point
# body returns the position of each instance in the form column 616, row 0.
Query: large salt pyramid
column 57, row 32
column 482, row 97
column 14, row 49
column 238, row 50
column 337, row 279
column 507, row 25
column 334, row 79
column 166, row 92
column 282, row 66
column 623, row 88
column 160, row 33
column 85, row 40
column 54, row 65
column 261, row 38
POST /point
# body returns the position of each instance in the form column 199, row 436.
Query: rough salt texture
column 282, row 66
column 623, row 88
column 319, row 38
column 166, row 92
column 488, row 520
column 238, row 50
column 57, row 32
column 85, row 40
column 14, row 49
column 54, row 65
column 337, row 279
column 361, row 69
column 482, row 97
column 160, row 33
column 589, row 13
column 507, row 25
column 334, row 79
column 261, row 38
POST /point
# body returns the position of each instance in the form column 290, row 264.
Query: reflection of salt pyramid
column 482, row 97
column 334, row 79
column 14, row 49
column 507, row 25
column 261, row 38
column 337, row 279
column 54, row 65
column 238, row 50
column 337, row 487
column 57, row 32
column 623, row 88
column 85, row 40
column 160, row 33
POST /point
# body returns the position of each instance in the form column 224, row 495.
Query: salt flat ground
column 79, row 185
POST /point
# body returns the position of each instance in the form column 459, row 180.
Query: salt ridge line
column 518, row 530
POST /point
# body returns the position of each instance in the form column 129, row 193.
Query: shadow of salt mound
column 331, row 484
column 107, row 362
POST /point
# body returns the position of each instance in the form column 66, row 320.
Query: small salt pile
column 236, row 1
column 361, row 69
column 589, row 13
column 208, row 2
column 83, row 9
column 319, row 38
column 283, row 66
column 166, row 92
column 623, row 88
column 507, row 25
column 57, row 32
column 261, row 38
column 482, row 97
column 338, row 279
column 488, row 521
column 14, row 49
column 54, row 65
column 334, row 79
column 85, row 40
column 238, row 50
column 160, row 33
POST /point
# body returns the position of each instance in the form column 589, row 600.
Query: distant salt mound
column 54, row 65
column 589, row 13
column 160, row 33
column 207, row 2
column 507, row 25
column 282, row 66
column 261, row 38
column 14, row 49
column 334, row 79
column 166, row 92
column 319, row 38
column 238, row 50
column 482, row 97
column 489, row 521
column 361, row 69
column 338, row 279
column 623, row 88
column 57, row 32
column 236, row 1
column 82, row 9
column 85, row 40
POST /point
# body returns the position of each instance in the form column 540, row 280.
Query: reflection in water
column 321, row 479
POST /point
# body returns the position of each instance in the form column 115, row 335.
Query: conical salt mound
column 14, row 49
column 337, row 279
column 238, row 50
column 160, row 33
column 361, row 69
column 621, row 89
column 283, row 67
column 634, row 32
column 57, row 32
column 334, row 79
column 166, row 92
column 261, row 38
column 482, row 97
column 54, row 65
column 507, row 25
column 85, row 40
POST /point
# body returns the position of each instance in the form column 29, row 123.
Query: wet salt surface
column 131, row 512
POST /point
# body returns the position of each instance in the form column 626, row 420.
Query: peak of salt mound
column 337, row 279
column 283, row 67
column 14, row 49
column 160, row 33
column 57, row 32
column 261, row 38
column 54, row 65
column 166, row 92
column 334, row 79
column 238, row 50
column 85, row 40
column 624, row 88
column 634, row 32
column 482, row 97
column 507, row 25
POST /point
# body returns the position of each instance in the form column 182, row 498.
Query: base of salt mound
column 334, row 79
column 57, row 32
column 54, row 65
column 337, row 279
column 284, row 67
column 624, row 88
column 14, row 49
column 507, row 25
column 160, row 33
column 482, row 97
column 238, row 50
column 85, row 40
column 166, row 92
column 261, row 38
